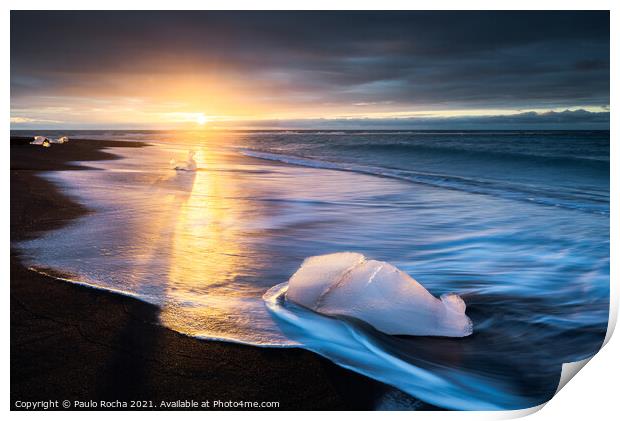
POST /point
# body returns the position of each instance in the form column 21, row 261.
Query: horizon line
column 308, row 130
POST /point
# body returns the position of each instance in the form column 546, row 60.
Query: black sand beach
column 70, row 342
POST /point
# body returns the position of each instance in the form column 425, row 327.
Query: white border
column 592, row 395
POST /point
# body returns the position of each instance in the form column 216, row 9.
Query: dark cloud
column 428, row 60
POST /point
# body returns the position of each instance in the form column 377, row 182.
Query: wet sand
column 70, row 342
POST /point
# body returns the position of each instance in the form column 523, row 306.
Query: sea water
column 516, row 223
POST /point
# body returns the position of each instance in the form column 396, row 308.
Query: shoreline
column 71, row 342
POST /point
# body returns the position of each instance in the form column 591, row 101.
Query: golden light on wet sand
column 207, row 248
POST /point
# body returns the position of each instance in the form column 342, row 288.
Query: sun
column 202, row 119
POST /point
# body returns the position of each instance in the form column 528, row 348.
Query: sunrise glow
column 161, row 73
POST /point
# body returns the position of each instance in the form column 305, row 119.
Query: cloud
column 28, row 120
column 314, row 63
column 564, row 120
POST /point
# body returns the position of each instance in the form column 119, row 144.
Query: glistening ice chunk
column 63, row 139
column 348, row 284
column 189, row 165
column 41, row 140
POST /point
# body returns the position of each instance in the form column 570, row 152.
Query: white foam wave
column 351, row 347
column 566, row 199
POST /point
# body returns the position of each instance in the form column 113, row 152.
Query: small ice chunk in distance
column 41, row 140
column 189, row 165
column 61, row 140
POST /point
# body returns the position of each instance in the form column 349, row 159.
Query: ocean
column 515, row 222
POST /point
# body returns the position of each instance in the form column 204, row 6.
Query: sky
column 333, row 70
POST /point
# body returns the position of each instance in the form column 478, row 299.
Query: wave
column 559, row 148
column 359, row 348
column 590, row 202
column 500, row 152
